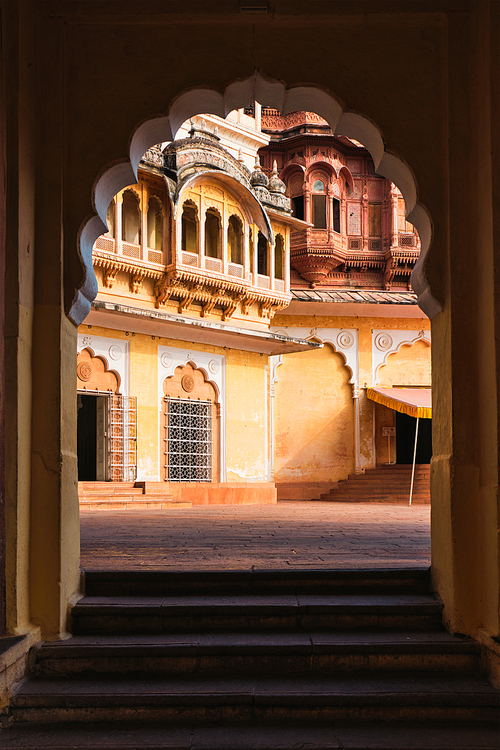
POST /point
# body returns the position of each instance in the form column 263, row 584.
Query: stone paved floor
column 289, row 534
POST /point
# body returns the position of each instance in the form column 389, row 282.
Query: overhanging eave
column 193, row 330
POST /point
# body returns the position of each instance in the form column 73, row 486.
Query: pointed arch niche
column 386, row 343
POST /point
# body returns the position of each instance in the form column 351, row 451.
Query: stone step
column 359, row 696
column 277, row 653
column 234, row 582
column 369, row 491
column 133, row 615
column 466, row 735
column 389, row 484
column 107, row 487
column 396, row 499
column 400, row 478
column 124, row 502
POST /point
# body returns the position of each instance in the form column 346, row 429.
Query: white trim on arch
column 115, row 353
column 214, row 367
column 344, row 341
column 387, row 341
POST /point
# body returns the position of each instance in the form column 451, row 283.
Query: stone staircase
column 385, row 484
column 127, row 496
column 255, row 660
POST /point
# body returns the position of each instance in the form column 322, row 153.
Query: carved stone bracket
column 109, row 277
column 136, row 279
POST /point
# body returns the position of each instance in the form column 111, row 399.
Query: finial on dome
column 258, row 177
column 203, row 124
column 275, row 184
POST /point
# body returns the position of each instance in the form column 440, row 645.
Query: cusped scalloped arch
column 285, row 99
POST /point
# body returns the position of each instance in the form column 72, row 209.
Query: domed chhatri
column 275, row 184
column 258, row 178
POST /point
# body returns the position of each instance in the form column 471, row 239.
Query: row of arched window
column 129, row 226
column 324, row 212
column 235, row 240
column 131, row 221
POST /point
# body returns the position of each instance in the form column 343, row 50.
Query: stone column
column 144, row 206
column 255, row 237
column 54, row 575
column 118, row 223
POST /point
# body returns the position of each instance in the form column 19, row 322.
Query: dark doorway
column 91, row 437
column 405, row 439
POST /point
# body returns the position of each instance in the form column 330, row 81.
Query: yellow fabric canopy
column 416, row 402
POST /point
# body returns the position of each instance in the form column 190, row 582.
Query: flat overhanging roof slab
column 193, row 330
column 354, row 302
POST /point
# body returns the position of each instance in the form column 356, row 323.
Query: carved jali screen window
column 188, row 440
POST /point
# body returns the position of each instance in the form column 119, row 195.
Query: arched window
column 294, row 190
column 212, row 234
column 189, row 228
column 131, row 218
column 155, row 225
column 235, row 239
column 336, row 214
column 279, row 251
column 262, row 256
column 319, row 205
column 110, row 220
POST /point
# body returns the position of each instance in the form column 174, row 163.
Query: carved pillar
column 286, row 261
column 119, row 222
column 365, row 228
column 201, row 238
column 255, row 236
column 394, row 217
column 223, row 229
column 307, row 202
column 246, row 251
column 272, row 262
column 355, row 396
column 329, row 209
column 144, row 205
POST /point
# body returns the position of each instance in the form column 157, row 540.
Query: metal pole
column 414, row 459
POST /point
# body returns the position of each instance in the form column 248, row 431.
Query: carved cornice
column 113, row 264
column 190, row 288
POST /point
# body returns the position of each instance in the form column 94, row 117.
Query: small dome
column 275, row 184
column 258, row 177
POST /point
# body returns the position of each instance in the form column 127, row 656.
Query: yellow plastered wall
column 298, row 413
column 246, row 418
column 411, row 365
column 313, row 418
column 246, row 404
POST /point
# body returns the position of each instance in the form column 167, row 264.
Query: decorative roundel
column 115, row 352
column 166, row 359
column 213, row 366
column 345, row 340
column 187, row 383
column 383, row 342
column 84, row 371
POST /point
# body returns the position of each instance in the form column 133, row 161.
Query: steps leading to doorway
column 256, row 660
column 385, row 484
column 127, row 496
